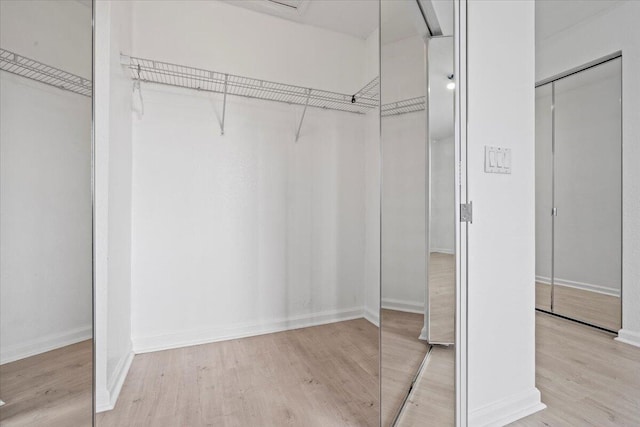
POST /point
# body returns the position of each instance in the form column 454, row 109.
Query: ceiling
column 554, row 16
column 358, row 18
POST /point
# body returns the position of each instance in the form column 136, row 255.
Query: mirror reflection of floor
column 51, row 389
column 402, row 354
column 433, row 395
column 587, row 306
column 442, row 294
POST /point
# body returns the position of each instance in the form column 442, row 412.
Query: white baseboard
column 423, row 334
column 628, row 337
column 442, row 251
column 507, row 410
column 399, row 305
column 106, row 400
column 204, row 336
column 372, row 316
column 580, row 285
column 11, row 353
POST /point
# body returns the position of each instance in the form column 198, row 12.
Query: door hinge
column 466, row 212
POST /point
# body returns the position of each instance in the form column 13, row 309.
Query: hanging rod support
column 224, row 103
column 306, row 104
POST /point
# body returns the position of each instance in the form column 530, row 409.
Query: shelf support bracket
column 306, row 104
column 224, row 103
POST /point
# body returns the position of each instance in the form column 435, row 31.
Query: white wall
column 219, row 36
column 442, row 227
column 605, row 34
column 248, row 232
column 404, row 178
column 403, row 211
column 113, row 201
column 55, row 32
column 45, row 155
column 501, row 240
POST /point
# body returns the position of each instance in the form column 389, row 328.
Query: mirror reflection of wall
column 418, row 213
column 46, row 367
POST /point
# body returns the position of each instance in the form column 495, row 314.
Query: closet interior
column 263, row 182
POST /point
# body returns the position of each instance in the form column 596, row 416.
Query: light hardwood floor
column 51, row 389
column 585, row 377
column 591, row 307
column 402, row 354
column 319, row 376
column 432, row 400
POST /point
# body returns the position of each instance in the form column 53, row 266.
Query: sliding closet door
column 587, row 175
column 544, row 195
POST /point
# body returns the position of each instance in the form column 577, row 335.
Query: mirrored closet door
column 46, row 291
column 579, row 195
column 418, row 213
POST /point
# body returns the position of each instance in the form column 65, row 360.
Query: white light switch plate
column 497, row 159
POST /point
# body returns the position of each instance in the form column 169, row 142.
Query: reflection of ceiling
column 441, row 99
column 358, row 18
column 400, row 19
column 86, row 3
column 553, row 16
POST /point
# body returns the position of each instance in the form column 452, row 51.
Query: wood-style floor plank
column 402, row 354
column 585, row 377
column 319, row 376
column 442, row 294
column 51, row 389
column 432, row 400
column 587, row 306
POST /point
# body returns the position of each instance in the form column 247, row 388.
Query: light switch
column 497, row 160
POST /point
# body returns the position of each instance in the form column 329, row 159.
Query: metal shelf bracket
column 306, row 104
column 224, row 103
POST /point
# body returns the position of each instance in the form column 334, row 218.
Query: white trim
column 401, row 305
column 423, row 333
column 507, row 410
column 106, row 400
column 372, row 316
column 43, row 344
column 443, row 251
column 580, row 285
column 204, row 336
column 628, row 337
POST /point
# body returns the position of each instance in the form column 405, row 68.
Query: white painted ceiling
column 358, row 18
column 554, row 16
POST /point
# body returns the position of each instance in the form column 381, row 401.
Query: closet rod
column 152, row 71
column 14, row 63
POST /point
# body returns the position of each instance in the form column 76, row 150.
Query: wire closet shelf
column 14, row 63
column 402, row 107
column 152, row 71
